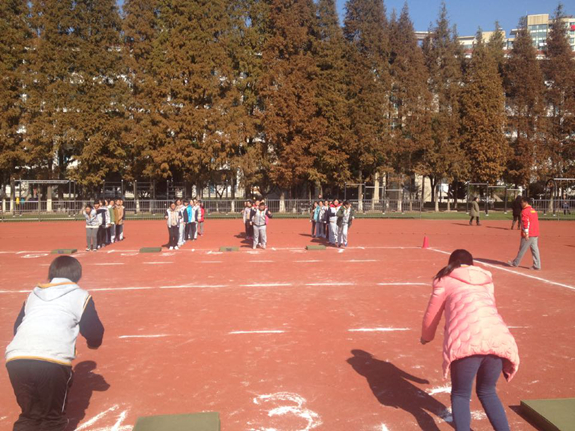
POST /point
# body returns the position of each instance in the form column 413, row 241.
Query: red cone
column 425, row 242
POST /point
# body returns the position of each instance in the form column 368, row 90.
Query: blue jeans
column 487, row 368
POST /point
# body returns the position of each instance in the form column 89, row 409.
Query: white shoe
column 171, row 248
column 176, row 248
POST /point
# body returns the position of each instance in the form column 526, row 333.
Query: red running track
column 289, row 339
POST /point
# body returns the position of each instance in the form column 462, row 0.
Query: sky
column 469, row 15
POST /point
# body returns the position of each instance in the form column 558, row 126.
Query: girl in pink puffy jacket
column 476, row 340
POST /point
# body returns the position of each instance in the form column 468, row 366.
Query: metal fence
column 152, row 209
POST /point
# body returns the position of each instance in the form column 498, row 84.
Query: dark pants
column 487, row 368
column 41, row 390
column 119, row 232
column 471, row 220
column 516, row 218
column 174, row 233
column 111, row 231
column 188, row 233
column 313, row 228
column 249, row 230
column 101, row 236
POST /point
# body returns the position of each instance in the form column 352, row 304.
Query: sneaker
column 264, row 247
column 535, row 268
column 87, row 248
column 510, row 263
column 171, row 248
column 176, row 248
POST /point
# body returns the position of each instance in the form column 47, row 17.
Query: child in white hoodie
column 39, row 358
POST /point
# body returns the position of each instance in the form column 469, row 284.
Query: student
column 111, row 228
column 321, row 219
column 202, row 219
column 313, row 219
column 247, row 214
column 92, row 225
column 196, row 218
column 529, row 236
column 39, row 358
column 182, row 225
column 516, row 208
column 259, row 220
column 119, row 216
column 477, row 341
column 332, row 216
column 345, row 216
column 474, row 212
column 173, row 218
column 102, row 213
column 566, row 208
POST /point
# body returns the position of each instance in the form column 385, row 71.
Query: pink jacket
column 472, row 324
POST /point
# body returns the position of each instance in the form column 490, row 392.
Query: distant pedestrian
column 313, row 219
column 202, row 219
column 566, row 208
column 474, row 212
column 173, row 219
column 258, row 220
column 345, row 216
column 517, row 208
column 332, row 217
column 119, row 215
column 529, row 235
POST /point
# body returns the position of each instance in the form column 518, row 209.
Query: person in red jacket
column 529, row 235
column 477, row 343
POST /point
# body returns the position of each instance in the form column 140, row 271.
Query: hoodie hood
column 57, row 288
column 472, row 275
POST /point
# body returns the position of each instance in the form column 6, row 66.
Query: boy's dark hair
column 526, row 200
column 65, row 267
column 345, row 203
column 89, row 206
column 458, row 257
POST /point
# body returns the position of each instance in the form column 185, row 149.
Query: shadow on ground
column 393, row 388
column 84, row 383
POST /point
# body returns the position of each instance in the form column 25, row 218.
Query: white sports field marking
column 378, row 329
column 146, row 336
column 512, row 271
column 403, row 284
column 33, row 255
column 331, row 283
column 361, row 261
column 108, row 264
column 209, row 261
column 445, row 389
column 119, row 289
column 266, row 285
column 156, row 263
column 261, row 261
column 16, row 291
column 192, row 286
column 384, row 428
column 87, row 425
column 307, row 261
column 298, row 408
column 519, row 327
column 341, row 250
column 272, row 331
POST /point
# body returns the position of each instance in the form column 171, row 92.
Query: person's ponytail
column 458, row 258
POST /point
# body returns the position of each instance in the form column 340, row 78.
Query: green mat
column 186, row 422
column 315, row 247
column 151, row 250
column 64, row 251
column 551, row 415
column 229, row 249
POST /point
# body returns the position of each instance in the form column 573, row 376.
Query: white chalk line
column 271, row 331
column 87, row 425
column 403, row 284
column 107, row 264
column 156, row 263
column 544, row 280
column 195, row 286
column 378, row 329
column 344, row 283
column 267, row 285
column 147, row 336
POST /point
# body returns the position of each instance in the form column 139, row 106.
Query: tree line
column 275, row 94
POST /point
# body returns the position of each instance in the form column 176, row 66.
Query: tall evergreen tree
column 290, row 119
column 524, row 88
column 410, row 97
column 560, row 97
column 366, row 31
column 51, row 138
column 194, row 91
column 15, row 38
column 496, row 47
column 98, row 111
column 332, row 84
column 483, row 117
column 444, row 57
column 140, row 33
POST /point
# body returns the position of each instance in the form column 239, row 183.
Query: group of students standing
column 331, row 220
column 256, row 216
column 104, row 223
column 185, row 222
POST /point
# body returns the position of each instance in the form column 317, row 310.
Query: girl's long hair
column 458, row 257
